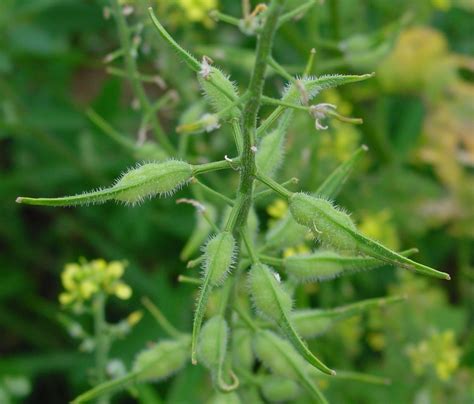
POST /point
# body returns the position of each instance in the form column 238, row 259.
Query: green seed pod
column 335, row 228
column 268, row 297
column 224, row 398
column 133, row 187
column 219, row 255
column 153, row 179
column 212, row 342
column 220, row 91
column 211, row 351
column 200, row 233
column 285, row 233
column 150, row 151
column 162, row 360
column 278, row 389
column 326, row 222
column 242, row 353
column 314, row 322
column 282, row 359
column 326, row 265
column 270, row 151
column 273, row 302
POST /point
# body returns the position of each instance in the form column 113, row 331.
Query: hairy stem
column 102, row 343
column 240, row 211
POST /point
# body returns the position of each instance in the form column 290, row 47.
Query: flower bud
column 278, row 389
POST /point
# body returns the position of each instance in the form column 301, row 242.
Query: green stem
column 250, row 112
column 134, row 77
column 102, row 342
column 213, row 192
column 213, row 166
column 160, row 318
column 270, row 183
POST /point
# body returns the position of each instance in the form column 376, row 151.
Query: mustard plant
column 251, row 339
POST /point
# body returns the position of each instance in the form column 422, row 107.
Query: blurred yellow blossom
column 298, row 249
column 198, row 10
column 277, row 209
column 81, row 281
column 439, row 352
column 379, row 226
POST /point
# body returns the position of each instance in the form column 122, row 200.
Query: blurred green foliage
column 416, row 187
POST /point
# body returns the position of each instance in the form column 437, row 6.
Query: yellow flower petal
column 122, row 291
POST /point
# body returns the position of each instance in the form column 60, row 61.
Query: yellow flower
column 115, row 269
column 439, row 352
column 81, row 281
column 379, row 227
column 198, row 10
column 122, row 291
column 376, row 341
column 277, row 209
column 134, row 317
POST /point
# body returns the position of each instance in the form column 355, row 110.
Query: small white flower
column 320, row 111
column 254, row 149
column 205, row 67
column 211, row 122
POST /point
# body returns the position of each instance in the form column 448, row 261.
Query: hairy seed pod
column 278, row 389
column 268, row 296
column 242, row 353
column 335, row 228
column 326, row 222
column 285, row 233
column 282, row 359
column 270, row 151
column 273, row 302
column 326, row 265
column 219, row 254
column 212, row 342
column 211, row 351
column 162, row 360
column 225, row 398
column 133, row 187
column 153, row 179
column 314, row 322
column 220, row 91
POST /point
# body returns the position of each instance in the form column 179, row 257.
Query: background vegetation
column 414, row 188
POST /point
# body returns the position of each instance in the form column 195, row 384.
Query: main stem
column 243, row 203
